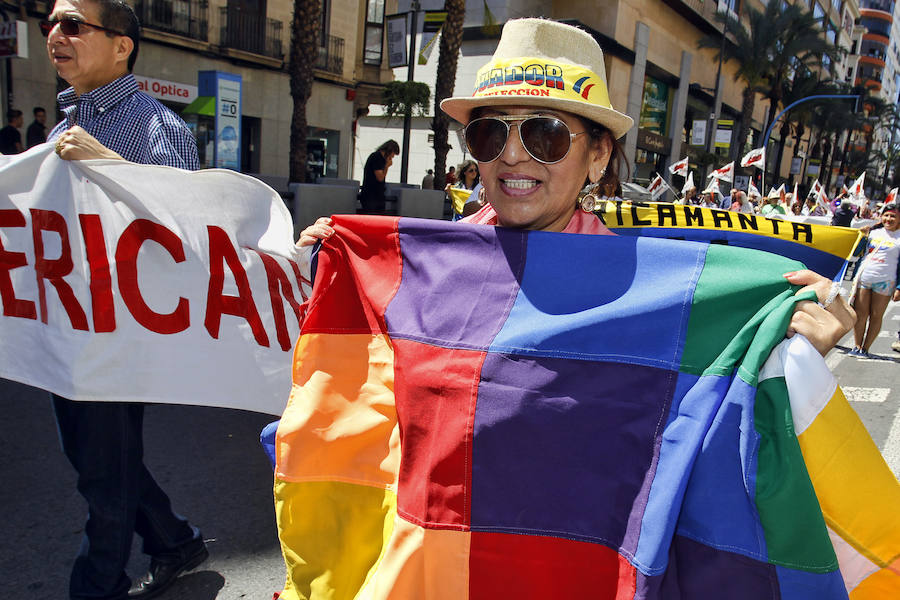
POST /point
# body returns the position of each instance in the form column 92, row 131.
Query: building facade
column 245, row 39
column 655, row 71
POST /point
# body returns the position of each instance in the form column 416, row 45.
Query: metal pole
column 411, row 69
column 789, row 107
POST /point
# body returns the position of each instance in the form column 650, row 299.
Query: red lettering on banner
column 12, row 306
column 217, row 303
column 127, row 249
column 280, row 287
column 53, row 270
column 103, row 310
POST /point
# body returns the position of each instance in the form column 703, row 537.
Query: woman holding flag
column 544, row 160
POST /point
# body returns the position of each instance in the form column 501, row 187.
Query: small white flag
column 755, row 158
column 752, row 190
column 857, row 190
column 726, row 173
column 713, row 187
column 688, row 184
column 657, row 187
column 680, row 168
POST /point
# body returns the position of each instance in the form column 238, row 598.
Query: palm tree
column 304, row 52
column 451, row 38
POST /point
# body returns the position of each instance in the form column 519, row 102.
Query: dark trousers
column 104, row 442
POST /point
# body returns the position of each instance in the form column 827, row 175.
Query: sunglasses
column 546, row 139
column 71, row 27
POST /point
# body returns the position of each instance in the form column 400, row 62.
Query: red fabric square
column 435, row 390
column 340, row 303
column 503, row 565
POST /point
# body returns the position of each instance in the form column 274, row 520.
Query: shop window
column 323, row 148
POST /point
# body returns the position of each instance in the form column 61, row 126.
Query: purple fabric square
column 429, row 306
column 543, row 461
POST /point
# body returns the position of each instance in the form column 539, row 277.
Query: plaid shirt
column 130, row 122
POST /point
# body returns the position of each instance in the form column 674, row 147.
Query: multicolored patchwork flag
column 480, row 412
column 755, row 158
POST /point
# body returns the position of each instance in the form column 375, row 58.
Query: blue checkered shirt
column 131, row 123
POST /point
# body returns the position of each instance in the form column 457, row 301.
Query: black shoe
column 165, row 570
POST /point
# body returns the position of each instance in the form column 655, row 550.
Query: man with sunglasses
column 93, row 45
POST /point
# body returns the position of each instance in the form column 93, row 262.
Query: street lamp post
column 410, row 71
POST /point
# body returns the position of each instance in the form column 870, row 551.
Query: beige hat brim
column 460, row 109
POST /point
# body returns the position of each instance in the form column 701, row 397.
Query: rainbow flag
column 480, row 412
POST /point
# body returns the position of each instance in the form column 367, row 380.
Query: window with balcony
column 189, row 18
column 374, row 32
column 245, row 27
column 331, row 48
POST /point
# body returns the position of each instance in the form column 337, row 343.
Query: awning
column 203, row 105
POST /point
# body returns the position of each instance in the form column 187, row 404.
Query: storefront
column 653, row 144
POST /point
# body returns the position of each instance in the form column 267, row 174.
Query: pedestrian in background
column 371, row 196
column 10, row 138
column 37, row 132
column 428, row 180
column 451, row 175
column 93, row 45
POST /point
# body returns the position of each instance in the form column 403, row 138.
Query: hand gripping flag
column 592, row 425
column 657, row 187
column 680, row 168
column 755, row 158
column 725, row 173
column 688, row 184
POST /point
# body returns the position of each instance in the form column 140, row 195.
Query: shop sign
column 655, row 106
column 396, row 39
column 648, row 140
column 226, row 89
column 169, row 91
column 796, row 165
column 698, row 132
column 723, row 133
column 812, row 169
column 13, row 39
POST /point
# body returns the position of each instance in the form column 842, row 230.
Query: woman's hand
column 822, row 326
column 320, row 230
column 896, row 296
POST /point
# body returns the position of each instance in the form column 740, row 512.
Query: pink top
column 581, row 222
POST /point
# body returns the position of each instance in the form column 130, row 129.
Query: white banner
column 144, row 283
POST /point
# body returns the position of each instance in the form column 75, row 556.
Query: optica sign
column 170, row 91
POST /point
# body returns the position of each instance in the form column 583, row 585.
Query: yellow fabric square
column 857, row 491
column 332, row 535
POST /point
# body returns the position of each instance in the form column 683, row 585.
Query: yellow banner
column 838, row 241
column 540, row 77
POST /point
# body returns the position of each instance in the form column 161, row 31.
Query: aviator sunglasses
column 70, row 26
column 546, row 139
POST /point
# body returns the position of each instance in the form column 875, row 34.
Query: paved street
column 223, row 482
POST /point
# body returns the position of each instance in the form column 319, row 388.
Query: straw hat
column 543, row 63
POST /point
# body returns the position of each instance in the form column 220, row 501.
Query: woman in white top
column 877, row 279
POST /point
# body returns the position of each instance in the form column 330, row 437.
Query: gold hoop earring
column 588, row 199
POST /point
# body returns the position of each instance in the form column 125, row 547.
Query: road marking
column 891, row 451
column 866, row 394
column 834, row 359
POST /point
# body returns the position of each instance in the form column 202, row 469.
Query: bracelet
column 833, row 293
